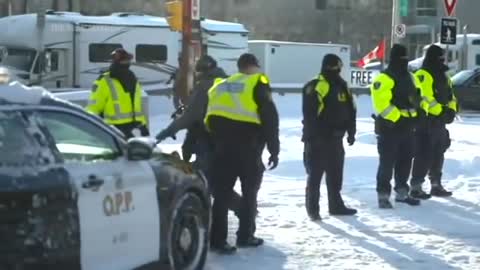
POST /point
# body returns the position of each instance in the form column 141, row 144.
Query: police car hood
column 15, row 92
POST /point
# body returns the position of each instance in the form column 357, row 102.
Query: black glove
column 272, row 162
column 448, row 115
column 163, row 135
column 351, row 139
column 186, row 154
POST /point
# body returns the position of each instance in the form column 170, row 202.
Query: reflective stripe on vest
column 233, row 87
column 116, row 104
column 322, row 88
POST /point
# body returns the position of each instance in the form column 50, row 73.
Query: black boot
column 224, row 249
column 418, row 193
column 439, row 191
column 249, row 242
column 342, row 211
column 312, row 204
column 314, row 216
column 404, row 197
column 384, row 201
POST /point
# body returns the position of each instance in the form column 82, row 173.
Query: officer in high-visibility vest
column 328, row 114
column 117, row 97
column 197, row 141
column 432, row 136
column 397, row 104
column 241, row 118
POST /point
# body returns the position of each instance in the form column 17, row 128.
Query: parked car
column 75, row 195
column 466, row 85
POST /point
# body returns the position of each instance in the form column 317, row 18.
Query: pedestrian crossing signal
column 175, row 15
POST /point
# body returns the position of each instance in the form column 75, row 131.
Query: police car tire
column 189, row 223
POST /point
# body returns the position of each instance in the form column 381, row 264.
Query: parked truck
column 290, row 65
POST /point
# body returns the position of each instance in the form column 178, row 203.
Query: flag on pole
column 377, row 53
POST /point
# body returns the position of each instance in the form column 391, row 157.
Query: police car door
column 117, row 198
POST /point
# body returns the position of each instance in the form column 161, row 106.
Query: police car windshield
column 21, row 59
column 462, row 77
column 15, row 144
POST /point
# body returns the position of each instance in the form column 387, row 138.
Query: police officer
column 197, row 141
column 396, row 101
column 328, row 113
column 117, row 97
column 432, row 136
column 241, row 117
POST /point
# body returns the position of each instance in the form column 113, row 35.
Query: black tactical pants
column 325, row 155
column 396, row 150
column 203, row 162
column 429, row 156
column 230, row 162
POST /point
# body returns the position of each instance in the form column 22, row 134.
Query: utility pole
column 184, row 17
column 396, row 20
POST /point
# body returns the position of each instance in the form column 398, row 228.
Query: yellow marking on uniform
column 263, row 79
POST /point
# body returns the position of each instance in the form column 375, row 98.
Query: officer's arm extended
column 98, row 97
column 268, row 115
column 381, row 91
column 193, row 112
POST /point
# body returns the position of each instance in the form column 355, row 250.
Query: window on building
column 101, row 52
column 476, row 42
column 151, row 53
column 477, row 60
column 321, row 4
column 427, row 8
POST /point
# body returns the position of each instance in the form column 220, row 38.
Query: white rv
column 466, row 49
column 290, row 65
column 72, row 50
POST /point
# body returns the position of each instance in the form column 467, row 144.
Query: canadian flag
column 377, row 53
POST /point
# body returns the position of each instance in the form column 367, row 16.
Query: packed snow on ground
column 439, row 234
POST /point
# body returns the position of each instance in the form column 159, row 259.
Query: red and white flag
column 377, row 53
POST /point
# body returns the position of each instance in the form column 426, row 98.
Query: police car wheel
column 188, row 243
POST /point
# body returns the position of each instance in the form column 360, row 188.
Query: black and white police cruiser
column 75, row 195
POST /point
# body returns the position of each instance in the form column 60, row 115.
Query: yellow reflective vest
column 109, row 99
column 428, row 94
column 233, row 98
column 323, row 88
column 382, row 95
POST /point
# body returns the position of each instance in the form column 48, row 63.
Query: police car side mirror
column 139, row 149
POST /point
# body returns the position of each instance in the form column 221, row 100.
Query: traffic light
column 175, row 15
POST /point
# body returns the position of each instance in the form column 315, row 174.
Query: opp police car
column 75, row 195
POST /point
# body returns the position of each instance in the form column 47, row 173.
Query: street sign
column 400, row 30
column 448, row 31
column 450, row 6
column 195, row 9
column 404, row 8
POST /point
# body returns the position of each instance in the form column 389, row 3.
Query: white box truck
column 290, row 65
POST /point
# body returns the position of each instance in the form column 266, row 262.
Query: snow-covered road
column 439, row 234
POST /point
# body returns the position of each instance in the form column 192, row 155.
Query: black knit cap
column 246, row 60
column 330, row 61
column 398, row 51
column 121, row 55
column 205, row 63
